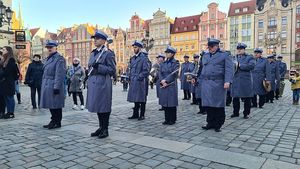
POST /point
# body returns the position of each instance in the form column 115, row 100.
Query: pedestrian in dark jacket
column 2, row 98
column 9, row 75
column 33, row 79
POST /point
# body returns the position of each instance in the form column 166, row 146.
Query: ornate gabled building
column 138, row 30
column 184, row 36
column 274, row 28
column 160, row 31
column 82, row 42
column 213, row 24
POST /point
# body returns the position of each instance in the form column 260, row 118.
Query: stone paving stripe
column 225, row 157
column 163, row 144
column 272, row 164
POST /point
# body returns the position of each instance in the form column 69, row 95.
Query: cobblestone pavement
column 269, row 139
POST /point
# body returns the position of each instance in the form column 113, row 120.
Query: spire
column 21, row 22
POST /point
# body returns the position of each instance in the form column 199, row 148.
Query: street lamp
column 5, row 14
column 148, row 43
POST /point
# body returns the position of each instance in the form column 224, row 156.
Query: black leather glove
column 95, row 65
column 56, row 91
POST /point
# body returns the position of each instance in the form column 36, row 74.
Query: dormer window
column 245, row 9
column 236, row 10
column 185, row 28
column 182, row 22
column 176, row 29
column 194, row 27
column 192, row 21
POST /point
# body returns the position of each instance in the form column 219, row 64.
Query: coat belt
column 212, row 77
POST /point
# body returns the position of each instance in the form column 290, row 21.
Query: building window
column 221, row 36
column 192, row 47
column 187, row 37
column 298, row 38
column 298, row 23
column 212, row 36
column 176, row 29
column 283, row 48
column 182, row 22
column 272, row 21
column 203, row 27
column 260, row 36
column 212, row 26
column 212, row 16
column 298, row 9
column 245, row 9
column 221, row 25
column 284, row 20
column 186, row 47
column 194, row 27
column 185, row 28
column 271, row 35
column 244, row 19
column 283, row 34
column 192, row 21
column 236, row 10
column 260, row 24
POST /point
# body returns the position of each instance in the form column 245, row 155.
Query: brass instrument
column 267, row 86
column 192, row 75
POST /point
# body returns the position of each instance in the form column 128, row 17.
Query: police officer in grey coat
column 259, row 74
column 168, row 74
column 185, row 85
column 160, row 60
column 52, row 90
column 196, row 82
column 216, row 76
column 274, row 77
column 102, row 67
column 242, row 84
column 193, row 68
column 138, row 75
column 282, row 71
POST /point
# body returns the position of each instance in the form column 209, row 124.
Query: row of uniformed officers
column 213, row 75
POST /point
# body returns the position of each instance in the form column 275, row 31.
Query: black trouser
column 194, row 100
column 201, row 108
column 56, row 115
column 186, row 94
column 215, row 117
column 2, row 105
column 139, row 107
column 236, row 105
column 125, row 86
column 270, row 96
column 80, row 97
column 261, row 102
column 33, row 91
column 277, row 94
column 170, row 114
column 103, row 120
column 228, row 98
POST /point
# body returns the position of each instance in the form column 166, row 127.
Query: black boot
column 135, row 114
column 99, row 130
column 19, row 98
column 50, row 124
column 55, row 125
column 105, row 121
column 9, row 115
column 143, row 109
